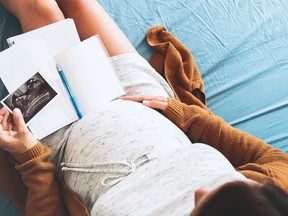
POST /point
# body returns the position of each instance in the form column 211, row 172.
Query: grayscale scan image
column 31, row 97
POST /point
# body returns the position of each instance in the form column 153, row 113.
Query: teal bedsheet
column 240, row 47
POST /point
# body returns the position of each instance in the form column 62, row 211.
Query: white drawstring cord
column 117, row 169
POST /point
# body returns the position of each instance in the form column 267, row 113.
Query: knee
column 39, row 9
column 37, row 13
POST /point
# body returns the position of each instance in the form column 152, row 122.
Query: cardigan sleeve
column 39, row 176
column 251, row 156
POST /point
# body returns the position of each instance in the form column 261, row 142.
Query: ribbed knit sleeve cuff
column 32, row 153
column 174, row 110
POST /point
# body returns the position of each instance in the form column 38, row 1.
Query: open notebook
column 50, row 98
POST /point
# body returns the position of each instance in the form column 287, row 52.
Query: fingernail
column 145, row 102
column 17, row 111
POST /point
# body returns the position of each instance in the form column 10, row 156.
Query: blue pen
column 73, row 99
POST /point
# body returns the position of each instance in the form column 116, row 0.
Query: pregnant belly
column 119, row 128
column 119, row 132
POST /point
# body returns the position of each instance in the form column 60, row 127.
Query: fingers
column 6, row 121
column 5, row 132
column 19, row 121
column 140, row 98
column 3, row 110
column 133, row 98
column 1, row 127
column 10, row 142
column 18, row 140
column 155, row 102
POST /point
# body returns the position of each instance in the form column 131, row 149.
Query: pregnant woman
column 125, row 158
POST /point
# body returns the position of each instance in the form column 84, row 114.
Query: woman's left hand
column 155, row 102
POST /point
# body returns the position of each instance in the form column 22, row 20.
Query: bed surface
column 240, row 47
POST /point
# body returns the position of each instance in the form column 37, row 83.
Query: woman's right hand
column 15, row 137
